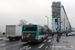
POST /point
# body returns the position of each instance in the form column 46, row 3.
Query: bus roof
column 36, row 25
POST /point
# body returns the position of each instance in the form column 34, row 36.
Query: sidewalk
column 66, row 43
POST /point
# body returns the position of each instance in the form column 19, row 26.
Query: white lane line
column 49, row 40
column 41, row 46
column 26, row 48
column 46, row 48
column 44, row 40
column 19, row 44
column 71, row 47
column 2, row 44
column 57, row 46
column 49, row 37
column 4, row 49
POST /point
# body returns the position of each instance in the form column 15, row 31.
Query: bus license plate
column 10, row 38
column 29, row 41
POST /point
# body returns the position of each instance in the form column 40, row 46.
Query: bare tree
column 30, row 23
column 22, row 22
column 49, row 30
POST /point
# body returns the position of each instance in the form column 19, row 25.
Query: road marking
column 46, row 48
column 4, row 49
column 57, row 46
column 41, row 46
column 26, row 48
column 20, row 43
column 2, row 44
column 49, row 40
column 71, row 47
column 44, row 40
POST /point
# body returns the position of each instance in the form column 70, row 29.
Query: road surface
column 5, row 44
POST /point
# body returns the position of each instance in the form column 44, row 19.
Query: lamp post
column 47, row 21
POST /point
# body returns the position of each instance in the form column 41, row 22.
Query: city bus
column 34, row 33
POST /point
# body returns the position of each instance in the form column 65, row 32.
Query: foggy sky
column 33, row 11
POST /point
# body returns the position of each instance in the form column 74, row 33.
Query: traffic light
column 55, row 20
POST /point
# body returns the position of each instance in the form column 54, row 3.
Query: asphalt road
column 18, row 45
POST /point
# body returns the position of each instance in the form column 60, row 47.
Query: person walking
column 66, row 32
column 58, row 36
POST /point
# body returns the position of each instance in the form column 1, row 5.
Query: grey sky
column 34, row 11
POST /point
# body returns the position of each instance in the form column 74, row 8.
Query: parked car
column 71, row 34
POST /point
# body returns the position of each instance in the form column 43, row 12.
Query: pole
column 47, row 21
column 47, row 24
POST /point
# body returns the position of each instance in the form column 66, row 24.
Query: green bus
column 34, row 33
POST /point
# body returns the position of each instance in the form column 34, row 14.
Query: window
column 30, row 28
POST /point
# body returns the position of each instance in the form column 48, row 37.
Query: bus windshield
column 29, row 28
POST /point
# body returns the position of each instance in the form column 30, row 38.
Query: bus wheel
column 42, row 40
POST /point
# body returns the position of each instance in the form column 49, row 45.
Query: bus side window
column 42, row 31
column 47, row 31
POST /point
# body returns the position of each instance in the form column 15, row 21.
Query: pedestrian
column 66, row 32
column 58, row 35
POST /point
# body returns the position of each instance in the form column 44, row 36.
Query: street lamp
column 47, row 21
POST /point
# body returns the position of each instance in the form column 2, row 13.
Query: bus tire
column 42, row 40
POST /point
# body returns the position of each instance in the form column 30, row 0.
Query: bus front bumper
column 29, row 40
